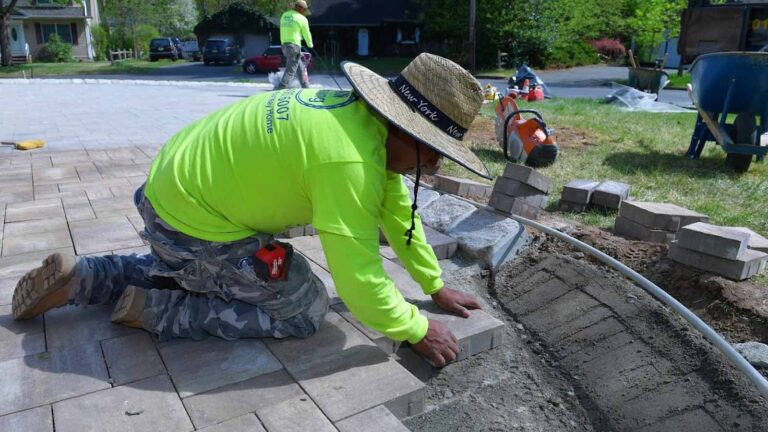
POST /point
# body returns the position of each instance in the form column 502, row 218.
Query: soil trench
column 587, row 350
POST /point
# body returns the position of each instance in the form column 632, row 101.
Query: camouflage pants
column 198, row 288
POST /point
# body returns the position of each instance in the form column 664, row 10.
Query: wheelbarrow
column 730, row 83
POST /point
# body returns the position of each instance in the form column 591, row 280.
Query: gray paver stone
column 298, row 414
column 660, row 216
column 74, row 325
column 568, row 206
column 756, row 241
column 514, row 205
column 7, row 286
column 132, row 358
column 33, row 210
column 713, row 240
column 445, row 212
column 491, row 238
column 35, row 235
column 461, row 186
column 634, row 230
column 151, row 404
column 755, row 352
column 17, row 265
column 244, row 423
column 377, row 419
column 19, row 338
column 325, row 277
column 529, row 176
column 199, row 366
column 610, row 194
column 345, row 373
column 517, row 188
column 579, row 191
column 62, row 174
column 101, row 235
column 444, row 246
column 426, row 195
column 748, row 265
column 480, row 332
column 232, row 401
column 35, row 420
column 410, row 290
column 48, row 377
column 384, row 343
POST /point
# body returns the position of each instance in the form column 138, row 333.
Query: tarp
column 631, row 99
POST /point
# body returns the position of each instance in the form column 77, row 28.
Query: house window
column 63, row 30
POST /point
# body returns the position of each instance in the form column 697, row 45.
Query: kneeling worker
column 220, row 188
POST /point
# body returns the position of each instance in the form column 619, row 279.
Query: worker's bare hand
column 439, row 345
column 456, row 301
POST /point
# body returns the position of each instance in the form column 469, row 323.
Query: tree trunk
column 5, row 37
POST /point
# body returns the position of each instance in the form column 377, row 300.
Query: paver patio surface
column 74, row 370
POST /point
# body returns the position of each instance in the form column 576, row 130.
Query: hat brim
column 375, row 90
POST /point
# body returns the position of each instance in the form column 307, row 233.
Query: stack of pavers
column 578, row 195
column 462, row 187
column 521, row 190
column 721, row 250
column 654, row 222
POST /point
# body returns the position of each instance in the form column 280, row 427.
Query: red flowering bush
column 611, row 48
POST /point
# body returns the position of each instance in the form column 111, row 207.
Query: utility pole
column 472, row 17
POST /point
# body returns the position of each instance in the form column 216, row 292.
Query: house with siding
column 32, row 23
column 361, row 28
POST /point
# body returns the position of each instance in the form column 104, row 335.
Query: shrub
column 144, row 34
column 566, row 54
column 610, row 48
column 55, row 50
column 100, row 41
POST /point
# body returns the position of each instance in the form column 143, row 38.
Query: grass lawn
column 646, row 150
column 679, row 81
column 37, row 70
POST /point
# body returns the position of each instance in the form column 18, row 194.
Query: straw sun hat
column 433, row 99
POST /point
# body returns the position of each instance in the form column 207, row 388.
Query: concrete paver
column 35, row 235
column 151, row 404
column 34, row 420
column 32, row 210
column 48, row 377
column 105, row 234
column 131, row 358
column 244, row 423
column 75, row 325
column 199, row 366
column 377, row 419
column 297, row 414
column 19, row 338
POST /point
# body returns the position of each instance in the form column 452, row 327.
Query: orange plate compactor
column 527, row 141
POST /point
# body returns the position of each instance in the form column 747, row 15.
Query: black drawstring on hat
column 410, row 230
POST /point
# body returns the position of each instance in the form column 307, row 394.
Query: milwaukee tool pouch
column 271, row 263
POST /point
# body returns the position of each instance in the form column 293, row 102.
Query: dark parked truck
column 732, row 26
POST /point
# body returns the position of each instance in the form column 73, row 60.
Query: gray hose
column 712, row 336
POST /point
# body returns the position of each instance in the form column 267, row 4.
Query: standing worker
column 293, row 27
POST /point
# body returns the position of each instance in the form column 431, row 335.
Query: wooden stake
column 632, row 60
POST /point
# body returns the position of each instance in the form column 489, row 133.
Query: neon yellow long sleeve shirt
column 283, row 159
column 293, row 27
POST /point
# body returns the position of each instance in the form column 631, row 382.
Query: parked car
column 177, row 44
column 272, row 59
column 221, row 51
column 191, row 50
column 162, row 48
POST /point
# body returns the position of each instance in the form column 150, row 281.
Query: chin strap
column 410, row 230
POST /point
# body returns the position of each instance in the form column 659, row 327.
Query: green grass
column 380, row 65
column 679, row 81
column 495, row 72
column 646, row 150
column 37, row 70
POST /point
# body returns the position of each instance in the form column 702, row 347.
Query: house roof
column 363, row 12
column 25, row 10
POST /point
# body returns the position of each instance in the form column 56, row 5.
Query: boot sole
column 43, row 288
column 129, row 307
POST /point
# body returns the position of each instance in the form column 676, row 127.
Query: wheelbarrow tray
column 730, row 82
column 647, row 79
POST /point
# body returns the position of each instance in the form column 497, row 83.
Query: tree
column 5, row 36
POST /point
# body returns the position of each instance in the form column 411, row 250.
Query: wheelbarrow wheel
column 744, row 131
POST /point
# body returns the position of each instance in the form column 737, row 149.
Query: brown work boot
column 129, row 307
column 45, row 287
